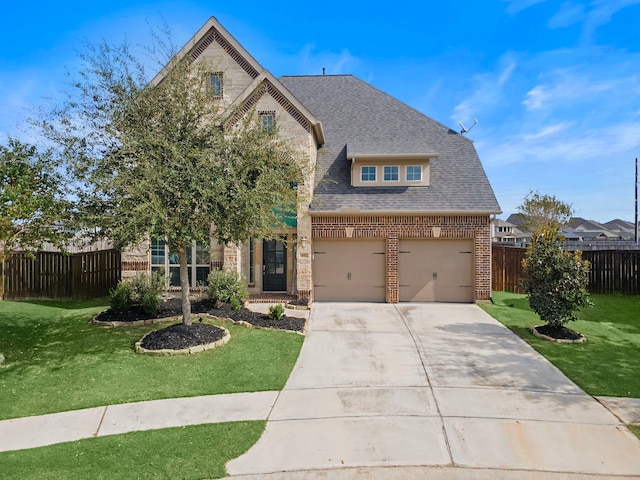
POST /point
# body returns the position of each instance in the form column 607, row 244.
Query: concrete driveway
column 438, row 390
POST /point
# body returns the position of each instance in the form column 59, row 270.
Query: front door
column 274, row 266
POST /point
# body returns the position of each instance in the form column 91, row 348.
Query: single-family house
column 398, row 207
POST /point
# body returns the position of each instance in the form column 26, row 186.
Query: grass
column 192, row 452
column 607, row 364
column 57, row 360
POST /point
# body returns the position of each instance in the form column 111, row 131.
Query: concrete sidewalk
column 31, row 432
column 444, row 391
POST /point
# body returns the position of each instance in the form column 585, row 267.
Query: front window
column 164, row 260
column 368, row 174
column 391, row 173
column 414, row 173
column 216, row 84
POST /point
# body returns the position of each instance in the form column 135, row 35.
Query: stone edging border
column 297, row 307
column 137, row 323
column 185, row 351
column 582, row 338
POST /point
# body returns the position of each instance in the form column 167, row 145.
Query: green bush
column 557, row 280
column 227, row 287
column 146, row 291
column 276, row 311
column 120, row 297
column 143, row 290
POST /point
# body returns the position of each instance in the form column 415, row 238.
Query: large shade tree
column 32, row 203
column 162, row 159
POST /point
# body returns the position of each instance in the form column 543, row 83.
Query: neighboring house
column 398, row 207
column 625, row 230
column 508, row 233
column 590, row 231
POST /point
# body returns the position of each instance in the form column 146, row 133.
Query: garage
column 436, row 270
column 351, row 270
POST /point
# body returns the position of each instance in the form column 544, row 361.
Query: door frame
column 281, row 285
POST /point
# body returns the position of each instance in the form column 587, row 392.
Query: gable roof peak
column 213, row 31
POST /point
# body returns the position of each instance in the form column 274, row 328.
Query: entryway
column 274, row 266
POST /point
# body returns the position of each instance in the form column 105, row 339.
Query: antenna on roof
column 465, row 129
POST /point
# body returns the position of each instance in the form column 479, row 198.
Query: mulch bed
column 179, row 336
column 559, row 333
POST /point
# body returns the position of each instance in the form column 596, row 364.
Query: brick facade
column 393, row 228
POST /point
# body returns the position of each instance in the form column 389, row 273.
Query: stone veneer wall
column 396, row 227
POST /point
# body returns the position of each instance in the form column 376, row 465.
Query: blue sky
column 555, row 85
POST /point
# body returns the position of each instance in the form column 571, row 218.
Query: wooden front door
column 274, row 266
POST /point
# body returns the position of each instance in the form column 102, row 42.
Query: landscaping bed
column 173, row 307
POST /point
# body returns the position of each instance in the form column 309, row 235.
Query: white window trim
column 406, row 173
column 167, row 265
column 397, row 173
column 375, row 173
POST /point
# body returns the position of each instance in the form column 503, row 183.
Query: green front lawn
column 608, row 364
column 57, row 360
column 192, row 452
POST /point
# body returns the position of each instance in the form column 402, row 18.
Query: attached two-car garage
column 429, row 270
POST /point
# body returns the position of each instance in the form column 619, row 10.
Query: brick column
column 392, row 267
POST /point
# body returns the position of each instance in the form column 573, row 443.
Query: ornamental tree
column 31, row 200
column 537, row 210
column 556, row 280
column 162, row 159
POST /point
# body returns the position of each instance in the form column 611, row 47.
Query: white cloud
column 311, row 62
column 516, row 6
column 568, row 15
column 487, row 90
column 566, row 86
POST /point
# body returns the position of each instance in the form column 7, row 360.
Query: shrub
column 557, row 280
column 146, row 291
column 276, row 311
column 120, row 297
column 227, row 287
column 143, row 290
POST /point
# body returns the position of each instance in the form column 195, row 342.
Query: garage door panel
column 436, row 270
column 349, row 270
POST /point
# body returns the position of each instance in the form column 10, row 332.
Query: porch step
column 271, row 298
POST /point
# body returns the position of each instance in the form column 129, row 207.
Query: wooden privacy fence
column 612, row 271
column 55, row 275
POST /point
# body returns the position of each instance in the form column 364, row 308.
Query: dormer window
column 368, row 174
column 391, row 170
column 216, row 84
column 414, row 173
column 391, row 173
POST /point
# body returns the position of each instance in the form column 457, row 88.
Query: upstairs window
column 391, row 173
column 268, row 120
column 216, row 84
column 368, row 174
column 414, row 173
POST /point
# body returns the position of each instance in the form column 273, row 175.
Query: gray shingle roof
column 361, row 119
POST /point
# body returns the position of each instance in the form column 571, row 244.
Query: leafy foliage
column 276, row 311
column 31, row 199
column 163, row 159
column 227, row 287
column 537, row 210
column 143, row 290
column 557, row 280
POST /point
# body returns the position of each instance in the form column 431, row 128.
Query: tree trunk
column 184, row 284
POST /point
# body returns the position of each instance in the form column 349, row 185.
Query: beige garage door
column 436, row 270
column 349, row 270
